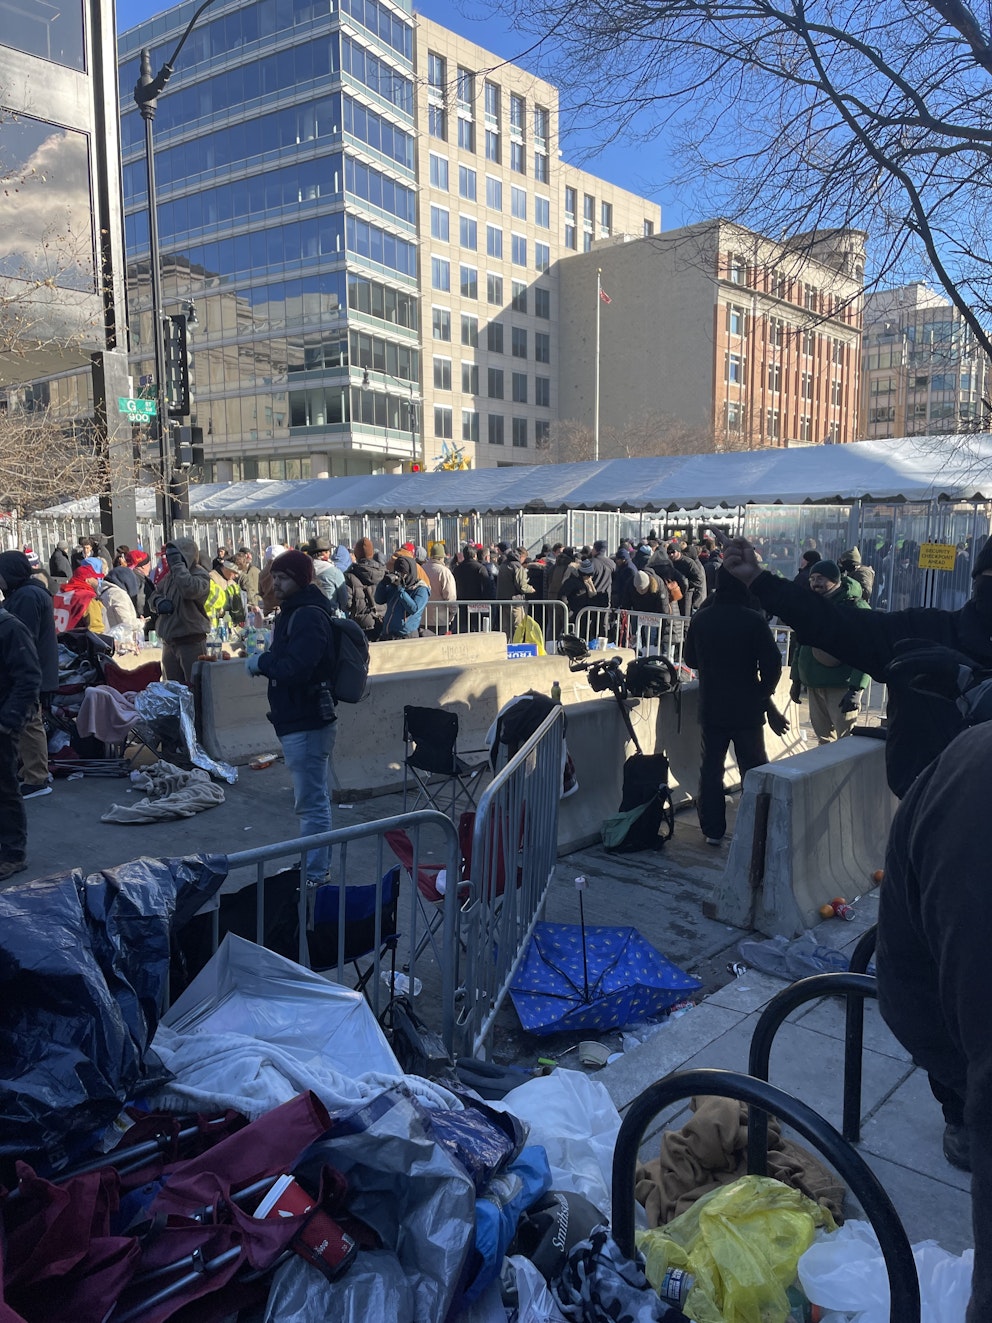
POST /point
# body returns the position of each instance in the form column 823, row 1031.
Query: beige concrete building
column 715, row 337
column 922, row 371
column 497, row 212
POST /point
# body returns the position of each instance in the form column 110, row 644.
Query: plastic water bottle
column 556, row 692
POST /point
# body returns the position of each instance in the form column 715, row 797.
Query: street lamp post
column 146, row 94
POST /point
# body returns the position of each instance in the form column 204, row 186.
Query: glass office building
column 331, row 177
column 285, row 171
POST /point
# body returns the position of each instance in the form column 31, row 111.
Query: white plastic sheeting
column 908, row 468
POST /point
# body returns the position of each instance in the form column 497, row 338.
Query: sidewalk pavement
column 902, row 1124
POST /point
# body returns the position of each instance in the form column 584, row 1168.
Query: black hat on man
column 829, row 569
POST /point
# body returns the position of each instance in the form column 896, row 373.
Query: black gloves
column 795, row 692
column 851, row 701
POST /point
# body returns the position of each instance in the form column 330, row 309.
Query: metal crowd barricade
column 251, row 864
column 479, row 616
column 646, row 632
column 514, row 853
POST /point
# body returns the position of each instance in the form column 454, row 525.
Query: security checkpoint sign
column 139, row 410
column 937, row 556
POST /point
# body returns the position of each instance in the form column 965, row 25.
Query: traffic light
column 412, row 466
column 187, row 446
column 177, row 390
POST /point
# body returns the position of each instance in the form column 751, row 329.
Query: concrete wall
column 470, row 675
column 829, row 812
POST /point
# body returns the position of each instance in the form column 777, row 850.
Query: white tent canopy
column 956, row 468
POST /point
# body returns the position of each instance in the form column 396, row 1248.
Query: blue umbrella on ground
column 574, row 977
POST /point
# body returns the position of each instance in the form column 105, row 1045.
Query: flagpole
column 595, row 388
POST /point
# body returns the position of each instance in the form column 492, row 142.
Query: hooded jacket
column 330, row 580
column 30, row 603
column 360, row 604
column 186, row 586
column 404, row 602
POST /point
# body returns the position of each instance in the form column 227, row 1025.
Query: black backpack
column 351, row 668
column 347, row 671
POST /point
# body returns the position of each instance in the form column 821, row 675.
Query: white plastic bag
column 575, row 1119
column 845, row 1271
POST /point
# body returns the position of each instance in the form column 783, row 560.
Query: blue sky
column 634, row 167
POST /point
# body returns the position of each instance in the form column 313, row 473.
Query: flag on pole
column 604, row 296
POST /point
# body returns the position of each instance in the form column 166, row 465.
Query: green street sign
column 139, row 410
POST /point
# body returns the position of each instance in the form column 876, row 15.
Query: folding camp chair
column 430, row 899
column 133, row 680
column 430, row 739
column 368, row 930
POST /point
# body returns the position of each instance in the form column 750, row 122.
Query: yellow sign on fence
column 937, row 556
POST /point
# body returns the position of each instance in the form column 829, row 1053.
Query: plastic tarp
column 917, row 468
column 83, row 967
column 297, row 1018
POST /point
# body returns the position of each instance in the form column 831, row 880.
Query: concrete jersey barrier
column 828, row 816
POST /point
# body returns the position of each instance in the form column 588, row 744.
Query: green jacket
column 810, row 665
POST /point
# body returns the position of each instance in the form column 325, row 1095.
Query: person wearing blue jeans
column 299, row 666
column 308, row 758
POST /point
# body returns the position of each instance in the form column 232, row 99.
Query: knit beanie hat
column 828, row 568
column 364, row 549
column 983, row 561
column 642, row 581
column 296, row 564
column 854, row 556
column 420, row 555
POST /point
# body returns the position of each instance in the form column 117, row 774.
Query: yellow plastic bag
column 741, row 1243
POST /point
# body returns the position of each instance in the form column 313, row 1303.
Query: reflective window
column 388, row 27
column 55, row 32
column 378, row 132
column 232, row 88
column 380, row 246
column 377, row 75
column 46, row 226
column 267, row 133
column 378, row 189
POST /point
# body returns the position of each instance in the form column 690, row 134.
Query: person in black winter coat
column 20, row 684
column 739, row 664
column 59, row 565
column 695, row 576
column 301, row 711
column 26, row 599
column 473, row 583
column 934, row 939
column 920, row 726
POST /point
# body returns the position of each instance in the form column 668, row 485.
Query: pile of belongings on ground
column 258, row 1153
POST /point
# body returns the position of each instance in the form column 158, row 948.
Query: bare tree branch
column 801, row 115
